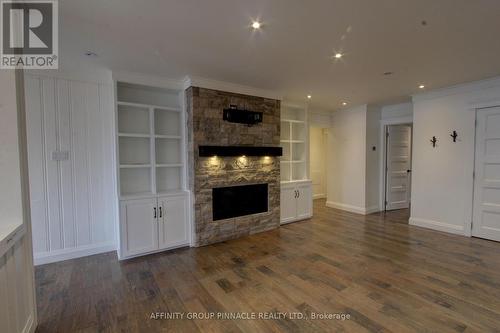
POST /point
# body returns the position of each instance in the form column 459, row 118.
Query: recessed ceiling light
column 344, row 103
column 338, row 55
column 309, row 96
column 421, row 86
column 256, row 25
column 90, row 54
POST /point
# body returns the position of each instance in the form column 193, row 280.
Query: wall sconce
column 434, row 141
column 454, row 136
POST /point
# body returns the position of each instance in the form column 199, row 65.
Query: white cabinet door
column 139, row 227
column 304, row 201
column 173, row 229
column 288, row 204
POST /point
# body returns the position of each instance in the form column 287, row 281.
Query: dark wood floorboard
column 388, row 276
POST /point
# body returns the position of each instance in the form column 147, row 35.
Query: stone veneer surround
column 206, row 127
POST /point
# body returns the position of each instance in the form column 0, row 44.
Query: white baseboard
column 436, row 225
column 72, row 253
column 319, row 196
column 353, row 209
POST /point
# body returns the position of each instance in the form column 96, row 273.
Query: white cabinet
column 139, row 226
column 153, row 224
column 173, row 229
column 304, row 200
column 288, row 204
column 296, row 201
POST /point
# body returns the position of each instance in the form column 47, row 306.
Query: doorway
column 486, row 207
column 398, row 151
column 317, row 160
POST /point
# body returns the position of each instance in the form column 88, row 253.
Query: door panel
column 398, row 164
column 304, row 201
column 173, row 229
column 139, row 226
column 288, row 205
column 486, row 216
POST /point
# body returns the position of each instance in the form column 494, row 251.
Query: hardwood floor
column 386, row 275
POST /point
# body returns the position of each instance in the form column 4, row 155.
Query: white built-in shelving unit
column 150, row 141
column 151, row 155
column 294, row 141
column 296, row 188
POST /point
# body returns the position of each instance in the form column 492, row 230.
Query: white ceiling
column 292, row 52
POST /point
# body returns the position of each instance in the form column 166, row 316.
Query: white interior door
column 398, row 166
column 486, row 219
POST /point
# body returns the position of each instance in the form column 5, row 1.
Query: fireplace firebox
column 234, row 201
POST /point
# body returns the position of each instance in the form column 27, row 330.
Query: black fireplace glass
column 234, row 201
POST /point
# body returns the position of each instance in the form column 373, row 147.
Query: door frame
column 384, row 123
column 476, row 108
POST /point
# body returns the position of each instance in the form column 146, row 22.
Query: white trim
column 30, row 325
column 90, row 75
column 463, row 88
column 439, row 226
column 319, row 196
column 195, row 81
column 72, row 253
column 352, row 209
column 147, row 80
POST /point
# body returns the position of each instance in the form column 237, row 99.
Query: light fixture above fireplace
column 209, row 151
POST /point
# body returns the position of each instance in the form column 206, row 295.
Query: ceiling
column 292, row 52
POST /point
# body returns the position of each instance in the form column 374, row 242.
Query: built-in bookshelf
column 294, row 140
column 150, row 140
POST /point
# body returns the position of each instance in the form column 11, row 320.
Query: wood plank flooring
column 387, row 276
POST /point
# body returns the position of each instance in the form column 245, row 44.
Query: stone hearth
column 206, row 127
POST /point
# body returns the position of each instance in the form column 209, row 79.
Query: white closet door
column 398, row 164
column 486, row 220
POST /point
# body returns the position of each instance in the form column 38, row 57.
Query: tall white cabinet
column 151, row 161
column 296, row 186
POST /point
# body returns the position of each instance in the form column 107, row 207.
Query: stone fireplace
column 206, row 127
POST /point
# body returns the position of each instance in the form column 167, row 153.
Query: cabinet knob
column 154, row 212
column 160, row 212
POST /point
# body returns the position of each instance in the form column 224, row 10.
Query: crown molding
column 148, row 80
column 457, row 89
column 196, row 81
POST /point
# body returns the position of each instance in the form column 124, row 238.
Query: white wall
column 10, row 186
column 394, row 111
column 317, row 156
column 373, row 156
column 442, row 182
column 346, row 165
column 73, row 201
